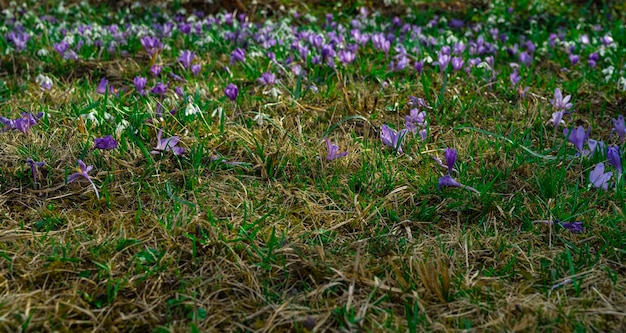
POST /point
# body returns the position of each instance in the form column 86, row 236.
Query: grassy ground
column 254, row 229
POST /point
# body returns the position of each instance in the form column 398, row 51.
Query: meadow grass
column 254, row 227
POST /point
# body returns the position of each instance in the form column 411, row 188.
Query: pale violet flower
column 599, row 178
column 392, row 138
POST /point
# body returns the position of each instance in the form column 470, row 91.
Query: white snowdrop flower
column 310, row 18
column 91, row 116
column 255, row 54
column 191, row 109
column 121, row 127
column 452, row 39
column 42, row 52
column 621, row 83
column 69, row 39
column 61, row 8
column 219, row 112
column 7, row 14
column 608, row 71
column 274, row 92
column 483, row 64
column 260, row 116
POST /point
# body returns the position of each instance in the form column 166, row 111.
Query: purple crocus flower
column 559, row 102
column 606, row 40
column 594, row 146
column 525, row 58
column 457, row 63
column 619, row 127
column 151, row 44
column 391, row 138
column 18, row 39
column 447, row 181
column 414, row 119
column 83, row 172
column 399, row 65
column 297, row 70
column 573, row 59
column 22, row 124
column 552, row 39
column 615, row 160
column 167, row 144
column 186, row 57
column 160, row 88
column 450, row 155
column 593, row 59
column 577, row 136
column 61, row 47
column 419, row 102
column 419, row 66
column 443, row 60
column 574, row 227
column 179, row 91
column 156, row 70
column 333, row 151
column 102, row 86
column 380, row 42
column 515, row 77
column 328, row 51
column 238, row 55
column 8, row 124
column 456, row 23
column 423, row 133
column 346, row 57
column 105, row 143
column 231, row 91
column 195, row 69
column 599, row 178
column 140, row 84
column 33, row 168
column 267, row 78
column 557, row 119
